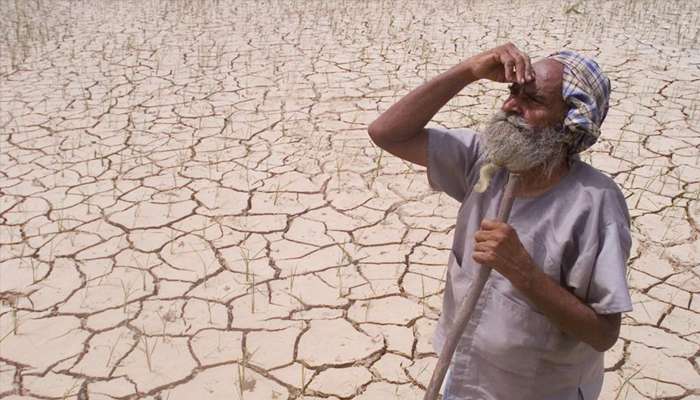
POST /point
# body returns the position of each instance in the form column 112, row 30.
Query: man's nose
column 511, row 105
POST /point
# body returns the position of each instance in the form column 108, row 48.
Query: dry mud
column 191, row 207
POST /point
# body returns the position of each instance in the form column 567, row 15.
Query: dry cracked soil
column 191, row 207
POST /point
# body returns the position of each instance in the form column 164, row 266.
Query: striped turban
column 586, row 91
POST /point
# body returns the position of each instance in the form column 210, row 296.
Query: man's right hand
column 505, row 63
column 400, row 129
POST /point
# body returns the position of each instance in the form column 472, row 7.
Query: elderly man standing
column 552, row 305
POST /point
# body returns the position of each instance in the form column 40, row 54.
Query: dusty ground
column 191, row 206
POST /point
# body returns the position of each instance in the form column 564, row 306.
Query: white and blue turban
column 586, row 91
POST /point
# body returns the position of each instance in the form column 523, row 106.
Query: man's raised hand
column 505, row 63
column 400, row 130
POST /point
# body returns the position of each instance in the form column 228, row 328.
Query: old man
column 552, row 305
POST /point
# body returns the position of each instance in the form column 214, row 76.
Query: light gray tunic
column 577, row 232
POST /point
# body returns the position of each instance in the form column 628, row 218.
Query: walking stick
column 467, row 307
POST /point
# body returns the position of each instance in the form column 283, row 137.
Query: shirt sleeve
column 452, row 154
column 599, row 274
column 608, row 292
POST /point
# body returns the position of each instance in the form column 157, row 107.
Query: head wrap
column 586, row 91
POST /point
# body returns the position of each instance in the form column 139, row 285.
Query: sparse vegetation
column 102, row 99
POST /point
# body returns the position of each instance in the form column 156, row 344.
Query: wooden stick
column 465, row 310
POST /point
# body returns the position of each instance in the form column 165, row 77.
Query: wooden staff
column 467, row 307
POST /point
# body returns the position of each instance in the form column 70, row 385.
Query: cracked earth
column 191, row 206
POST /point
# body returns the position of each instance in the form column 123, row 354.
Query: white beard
column 511, row 143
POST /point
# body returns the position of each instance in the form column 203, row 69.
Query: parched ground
column 191, row 207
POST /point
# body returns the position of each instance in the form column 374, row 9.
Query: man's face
column 511, row 142
column 528, row 130
column 539, row 102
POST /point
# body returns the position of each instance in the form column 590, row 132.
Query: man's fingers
column 519, row 65
column 508, row 65
column 516, row 64
column 485, row 247
column 491, row 224
column 523, row 68
column 482, row 235
column 528, row 67
column 482, row 258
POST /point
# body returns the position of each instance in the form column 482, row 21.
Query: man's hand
column 498, row 246
column 400, row 129
column 505, row 63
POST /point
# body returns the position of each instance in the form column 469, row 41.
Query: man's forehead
column 548, row 78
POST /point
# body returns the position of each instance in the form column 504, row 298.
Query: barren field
column 191, row 207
